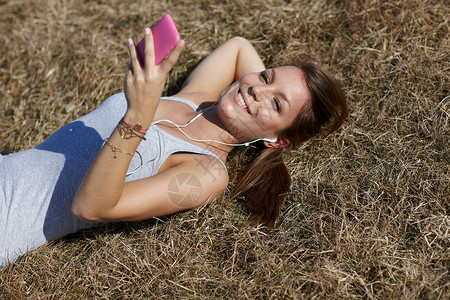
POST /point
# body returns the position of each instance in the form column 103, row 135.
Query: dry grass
column 368, row 216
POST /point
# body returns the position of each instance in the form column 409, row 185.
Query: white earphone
column 246, row 144
column 270, row 140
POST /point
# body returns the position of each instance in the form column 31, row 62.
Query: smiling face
column 261, row 105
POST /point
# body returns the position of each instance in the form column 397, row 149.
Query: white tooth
column 242, row 101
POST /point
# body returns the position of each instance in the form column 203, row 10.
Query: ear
column 280, row 143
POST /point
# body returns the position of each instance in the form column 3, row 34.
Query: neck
column 209, row 127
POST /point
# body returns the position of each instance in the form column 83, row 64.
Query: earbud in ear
column 270, row 140
column 263, row 139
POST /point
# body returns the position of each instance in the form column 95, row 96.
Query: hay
column 368, row 216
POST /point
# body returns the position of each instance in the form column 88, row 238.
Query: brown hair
column 266, row 180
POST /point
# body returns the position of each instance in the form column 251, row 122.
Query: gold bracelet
column 126, row 131
column 117, row 149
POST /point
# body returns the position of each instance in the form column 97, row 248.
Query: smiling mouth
column 242, row 102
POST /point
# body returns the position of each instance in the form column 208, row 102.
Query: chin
column 226, row 112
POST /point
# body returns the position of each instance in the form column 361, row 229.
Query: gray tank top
column 37, row 186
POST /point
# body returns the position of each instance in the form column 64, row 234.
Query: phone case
column 165, row 38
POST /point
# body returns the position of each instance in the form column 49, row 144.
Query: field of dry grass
column 368, row 216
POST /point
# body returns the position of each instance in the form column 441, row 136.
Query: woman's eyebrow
column 283, row 95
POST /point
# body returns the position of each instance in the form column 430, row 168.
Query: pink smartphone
column 165, row 38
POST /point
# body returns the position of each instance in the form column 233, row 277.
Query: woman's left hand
column 144, row 85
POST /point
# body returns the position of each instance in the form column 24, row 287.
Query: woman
column 138, row 156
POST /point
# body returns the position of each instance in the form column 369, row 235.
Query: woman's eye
column 264, row 76
column 277, row 105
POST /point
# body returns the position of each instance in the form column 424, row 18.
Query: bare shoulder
column 202, row 99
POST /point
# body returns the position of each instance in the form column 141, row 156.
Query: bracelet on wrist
column 137, row 127
column 128, row 131
column 116, row 149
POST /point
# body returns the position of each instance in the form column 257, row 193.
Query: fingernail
column 130, row 42
column 182, row 42
column 147, row 30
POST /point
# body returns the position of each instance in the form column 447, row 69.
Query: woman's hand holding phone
column 145, row 84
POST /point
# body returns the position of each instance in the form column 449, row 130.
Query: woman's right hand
column 144, row 85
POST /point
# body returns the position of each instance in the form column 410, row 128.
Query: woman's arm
column 223, row 66
column 103, row 186
column 183, row 186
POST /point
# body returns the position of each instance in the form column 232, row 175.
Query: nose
column 257, row 92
